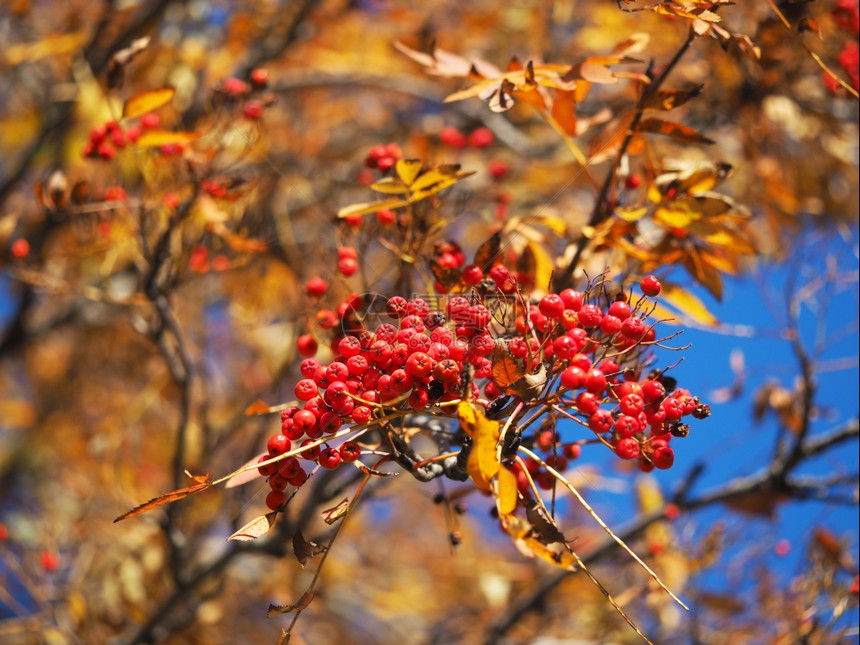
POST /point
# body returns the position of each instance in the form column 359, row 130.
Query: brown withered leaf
column 834, row 549
column 488, row 252
column 303, row 602
column 120, row 59
column 333, row 514
column 724, row 603
column 675, row 130
column 809, row 24
column 544, row 528
column 247, row 475
column 670, row 99
column 203, row 482
column 761, row 503
column 305, row 550
column 446, row 276
column 255, row 528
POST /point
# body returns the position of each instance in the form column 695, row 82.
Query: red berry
column 306, row 389
column 268, row 469
column 50, row 561
column 347, row 266
column 497, row 168
column 386, row 216
column 552, row 306
column 260, row 77
column 572, row 378
column 572, row 299
column 481, row 138
column 620, row 309
column 626, row 425
column 601, row 421
column 633, row 328
column 20, row 248
column 276, row 500
column 572, row 451
column 610, row 325
column 329, row 458
column 587, row 403
column 235, row 86
column 633, row 181
column 472, row 274
column 278, row 444
column 627, row 448
column 653, row 390
column 306, row 344
column 663, row 457
column 316, row 287
column 451, row 136
column 150, row 121
column 632, row 404
column 590, row 315
column 595, row 381
column 350, row 451
column 306, row 421
column 650, row 286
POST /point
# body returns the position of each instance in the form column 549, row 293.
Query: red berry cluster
column 106, row 138
column 383, row 157
column 230, row 90
column 589, row 358
column 478, row 138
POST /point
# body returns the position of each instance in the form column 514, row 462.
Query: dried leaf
column 255, row 528
column 247, row 475
column 762, row 503
column 333, row 514
column 305, row 550
column 564, row 111
column 120, row 59
column 809, row 24
column 488, row 252
column 203, row 482
column 144, row 102
column 303, row 602
column 675, row 130
column 670, row 99
column 446, row 276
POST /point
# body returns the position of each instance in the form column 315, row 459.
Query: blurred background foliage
column 90, row 404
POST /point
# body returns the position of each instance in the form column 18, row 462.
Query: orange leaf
column 257, row 407
column 674, row 130
column 670, row 99
column 144, row 102
column 564, row 111
column 255, row 528
column 203, row 482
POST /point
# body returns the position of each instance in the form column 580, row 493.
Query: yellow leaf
column 437, row 179
column 50, row 46
column 687, row 304
column 152, row 138
column 543, row 264
column 390, row 186
column 672, row 217
column 482, row 464
column 505, row 492
column 631, row 214
column 408, row 169
column 148, row 101
column 370, row 207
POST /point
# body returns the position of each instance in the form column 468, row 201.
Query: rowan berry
column 481, row 138
column 310, row 453
column 633, row 328
column 347, row 266
column 361, row 414
column 306, row 421
column 595, row 380
column 620, row 309
column 472, row 275
column 587, row 403
column 632, row 404
column 626, row 425
column 278, row 444
column 306, row 345
column 329, row 458
column 276, row 500
column 572, row 378
column 650, row 286
column 268, row 469
column 610, row 325
column 447, row 371
column 627, row 448
column 663, row 457
column 350, row 451
column 552, row 306
column 253, row 110
column 316, row 287
column 419, row 399
column 451, row 136
column 653, row 390
column 386, row 216
column 600, row 421
column 590, row 315
column 572, row 299
column 572, row 451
